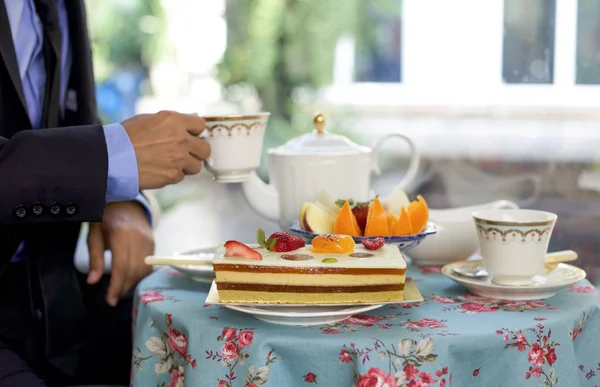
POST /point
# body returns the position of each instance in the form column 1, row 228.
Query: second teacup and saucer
column 513, row 246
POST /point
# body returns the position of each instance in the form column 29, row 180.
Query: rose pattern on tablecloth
column 353, row 323
column 540, row 348
column 171, row 349
column 580, row 325
column 404, row 361
column 310, row 378
column 424, row 323
column 232, row 354
column 582, row 288
column 472, row 304
column 589, row 373
column 154, row 295
column 430, row 269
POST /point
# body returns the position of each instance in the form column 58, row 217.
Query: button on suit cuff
column 122, row 183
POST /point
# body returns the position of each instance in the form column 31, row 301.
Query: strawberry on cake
column 282, row 269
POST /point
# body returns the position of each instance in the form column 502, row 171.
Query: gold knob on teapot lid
column 319, row 122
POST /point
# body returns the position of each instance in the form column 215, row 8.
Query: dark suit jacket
column 49, row 169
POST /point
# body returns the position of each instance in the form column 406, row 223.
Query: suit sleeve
column 53, row 175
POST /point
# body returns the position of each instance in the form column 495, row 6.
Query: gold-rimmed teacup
column 236, row 143
column 514, row 243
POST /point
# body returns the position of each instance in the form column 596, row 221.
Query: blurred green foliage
column 126, row 33
column 280, row 46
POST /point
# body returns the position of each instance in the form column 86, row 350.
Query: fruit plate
column 310, row 315
column 404, row 242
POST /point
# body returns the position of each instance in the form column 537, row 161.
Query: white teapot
column 308, row 164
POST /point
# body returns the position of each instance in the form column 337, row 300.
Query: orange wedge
column 418, row 213
column 377, row 224
column 403, row 228
column 345, row 223
column 392, row 220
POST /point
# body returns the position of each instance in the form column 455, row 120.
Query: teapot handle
column 505, row 205
column 415, row 159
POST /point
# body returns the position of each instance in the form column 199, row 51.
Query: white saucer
column 309, row 315
column 543, row 286
column 200, row 273
column 304, row 316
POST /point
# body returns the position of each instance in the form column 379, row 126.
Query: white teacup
column 236, row 143
column 514, row 243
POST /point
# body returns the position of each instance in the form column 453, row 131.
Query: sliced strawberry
column 361, row 212
column 373, row 244
column 238, row 249
column 279, row 241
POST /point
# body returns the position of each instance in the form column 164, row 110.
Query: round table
column 452, row 338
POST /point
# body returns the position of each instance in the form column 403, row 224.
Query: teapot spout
column 263, row 198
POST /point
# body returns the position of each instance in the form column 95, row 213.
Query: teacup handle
column 415, row 159
column 505, row 204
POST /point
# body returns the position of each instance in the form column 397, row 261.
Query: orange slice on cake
column 345, row 223
column 377, row 224
column 333, row 244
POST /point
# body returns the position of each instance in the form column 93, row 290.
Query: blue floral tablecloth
column 452, row 338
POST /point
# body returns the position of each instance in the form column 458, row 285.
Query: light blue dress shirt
column 27, row 33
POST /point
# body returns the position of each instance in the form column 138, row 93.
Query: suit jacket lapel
column 9, row 57
column 80, row 108
column 48, row 13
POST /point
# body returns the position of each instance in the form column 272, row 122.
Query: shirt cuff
column 141, row 199
column 122, row 182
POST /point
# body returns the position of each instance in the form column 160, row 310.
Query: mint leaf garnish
column 260, row 237
column 340, row 202
column 271, row 244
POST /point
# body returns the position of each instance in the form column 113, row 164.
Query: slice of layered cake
column 333, row 270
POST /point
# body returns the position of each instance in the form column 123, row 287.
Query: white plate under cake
column 331, row 270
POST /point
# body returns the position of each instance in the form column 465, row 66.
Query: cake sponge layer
column 308, row 279
column 259, row 297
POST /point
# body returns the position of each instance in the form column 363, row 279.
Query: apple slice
column 302, row 214
column 318, row 220
column 332, row 212
column 326, row 199
column 395, row 201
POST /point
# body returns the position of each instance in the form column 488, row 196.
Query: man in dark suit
column 58, row 168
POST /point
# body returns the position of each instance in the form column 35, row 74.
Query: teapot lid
column 319, row 142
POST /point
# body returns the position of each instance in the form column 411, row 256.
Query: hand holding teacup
column 514, row 243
